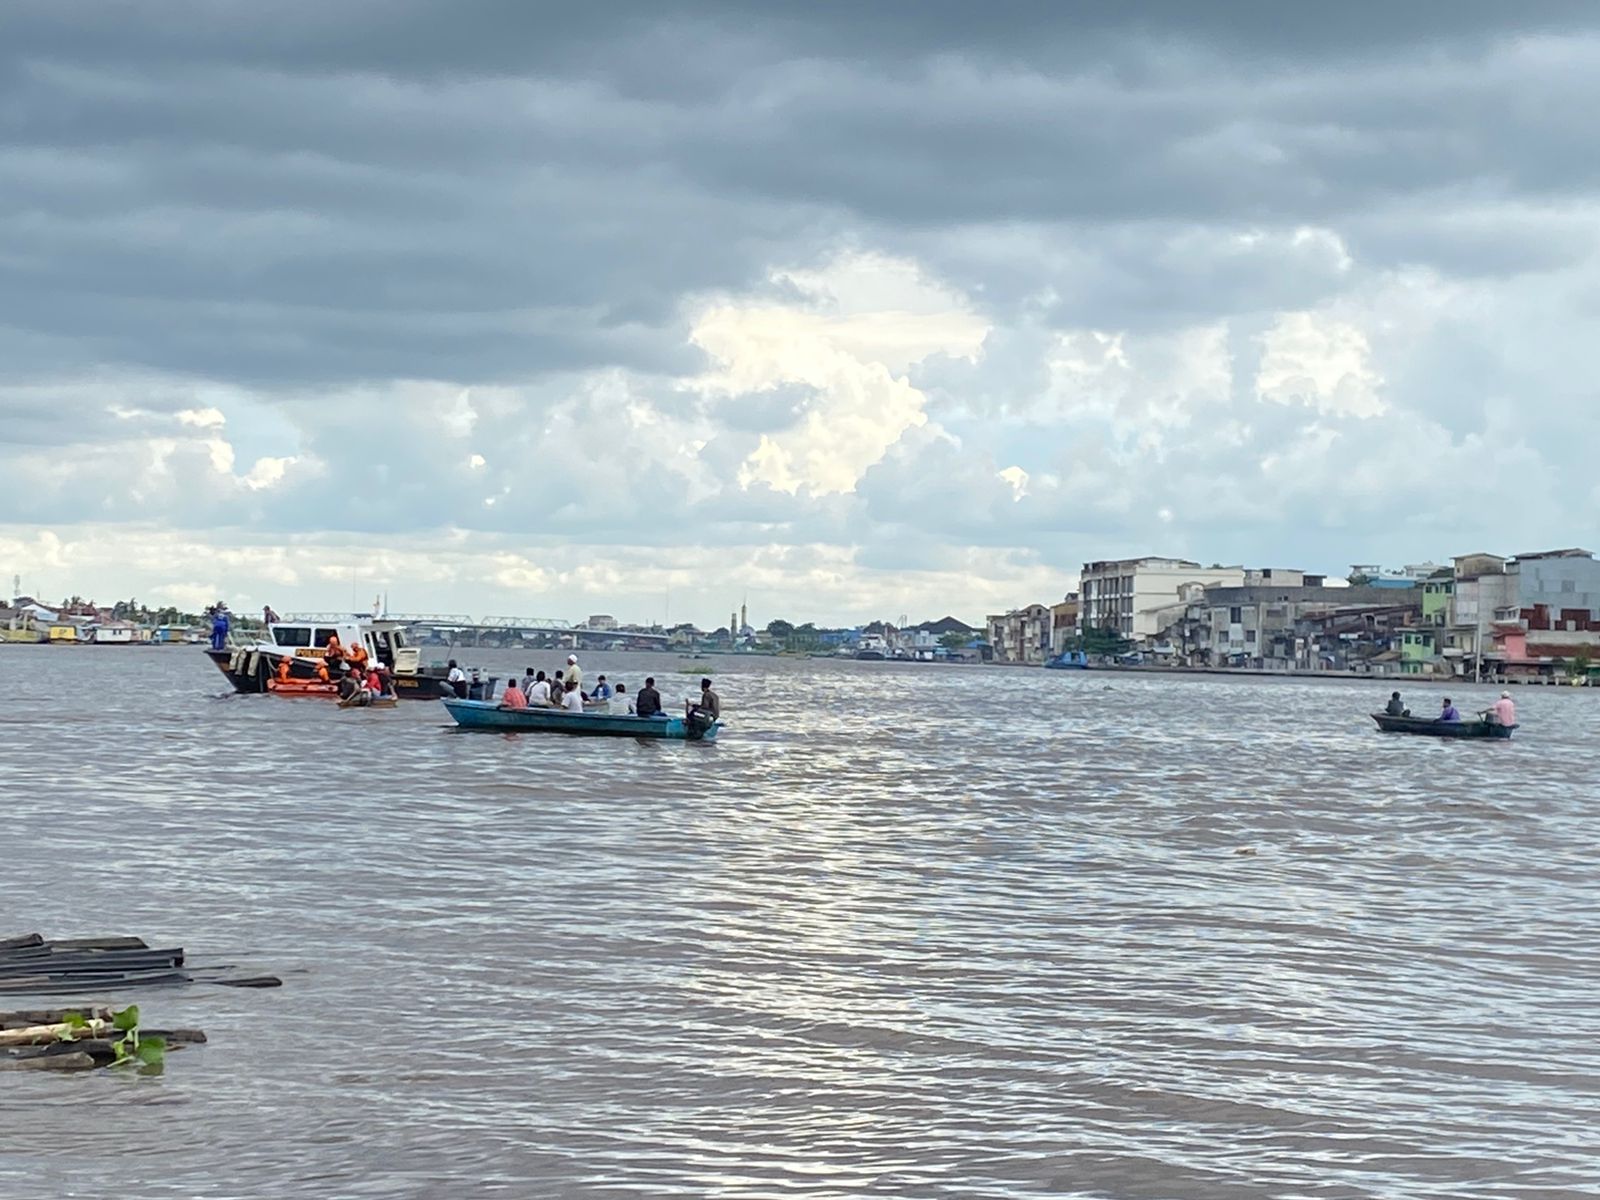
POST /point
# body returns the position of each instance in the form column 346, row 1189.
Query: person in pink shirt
column 1504, row 710
column 513, row 696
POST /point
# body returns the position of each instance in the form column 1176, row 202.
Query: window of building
column 1250, row 635
column 1236, row 614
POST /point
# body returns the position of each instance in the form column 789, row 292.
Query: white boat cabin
column 385, row 640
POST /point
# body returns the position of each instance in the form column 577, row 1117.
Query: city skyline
column 845, row 314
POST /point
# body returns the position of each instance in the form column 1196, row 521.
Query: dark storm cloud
column 482, row 191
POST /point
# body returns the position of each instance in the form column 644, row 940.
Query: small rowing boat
column 1426, row 727
column 487, row 714
column 359, row 701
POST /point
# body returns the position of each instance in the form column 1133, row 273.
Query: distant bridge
column 461, row 629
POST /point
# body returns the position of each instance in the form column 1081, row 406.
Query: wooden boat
column 1069, row 660
column 371, row 702
column 487, row 714
column 1427, row 727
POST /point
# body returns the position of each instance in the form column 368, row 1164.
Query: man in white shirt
column 573, row 701
column 574, row 671
column 539, row 693
column 621, row 705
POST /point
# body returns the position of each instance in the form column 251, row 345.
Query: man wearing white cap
column 574, row 673
column 1504, row 710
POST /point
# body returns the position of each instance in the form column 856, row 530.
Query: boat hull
column 487, row 714
column 1423, row 727
column 255, row 671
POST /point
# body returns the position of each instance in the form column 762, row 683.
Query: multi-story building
column 1063, row 622
column 1481, row 587
column 1557, row 579
column 1419, row 652
column 1438, row 591
column 1021, row 635
column 1265, row 627
column 1132, row 595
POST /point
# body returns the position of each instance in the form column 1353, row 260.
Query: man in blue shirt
column 1450, row 713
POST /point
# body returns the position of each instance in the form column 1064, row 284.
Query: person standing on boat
column 1504, row 710
column 573, row 700
column 513, row 697
column 1396, row 707
column 649, row 702
column 574, row 672
column 1449, row 712
column 219, row 627
column 602, row 689
column 457, row 679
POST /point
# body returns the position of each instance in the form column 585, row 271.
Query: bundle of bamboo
column 29, row 964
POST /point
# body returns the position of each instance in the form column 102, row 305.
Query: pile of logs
column 32, row 965
column 42, row 1039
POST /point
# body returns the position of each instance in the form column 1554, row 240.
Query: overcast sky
column 854, row 310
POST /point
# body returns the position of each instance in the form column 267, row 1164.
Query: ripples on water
column 907, row 930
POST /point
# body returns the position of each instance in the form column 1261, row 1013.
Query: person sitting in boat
column 1396, row 707
column 602, row 689
column 349, row 685
column 1449, row 712
column 457, row 679
column 513, row 697
column 385, row 682
column 539, row 694
column 1504, row 710
column 475, row 688
column 322, row 672
column 572, row 699
column 710, row 703
column 528, row 680
column 333, row 652
column 649, row 702
column 620, row 705
column 283, row 669
column 373, row 681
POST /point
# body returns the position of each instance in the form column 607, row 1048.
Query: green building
column 1438, row 592
column 1418, row 649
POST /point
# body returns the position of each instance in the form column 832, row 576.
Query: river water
column 906, row 930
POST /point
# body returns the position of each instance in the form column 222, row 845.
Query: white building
column 1131, row 595
column 1558, row 579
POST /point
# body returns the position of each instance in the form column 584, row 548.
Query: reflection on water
column 907, row 930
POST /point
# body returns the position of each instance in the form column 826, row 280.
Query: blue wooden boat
column 1430, row 727
column 1069, row 660
column 487, row 714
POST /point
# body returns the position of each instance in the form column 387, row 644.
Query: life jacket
column 283, row 670
column 358, row 654
column 322, row 671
